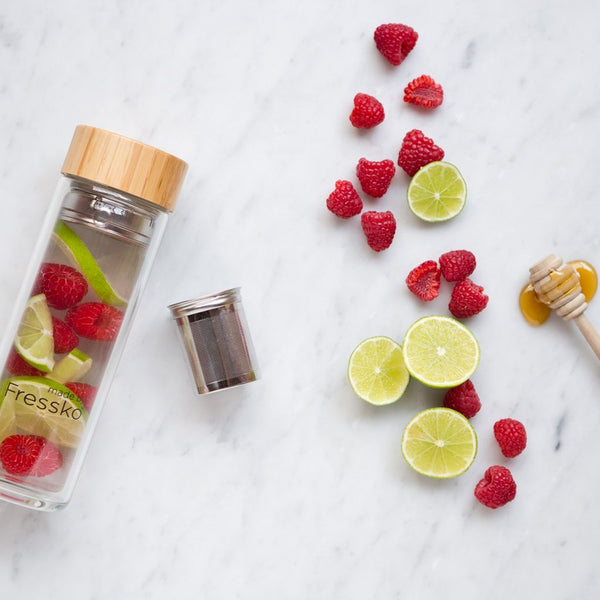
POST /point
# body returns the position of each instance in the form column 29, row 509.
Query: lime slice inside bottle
column 8, row 424
column 79, row 255
column 35, row 340
column 440, row 351
column 46, row 408
column 376, row 371
column 437, row 192
column 440, row 443
column 71, row 367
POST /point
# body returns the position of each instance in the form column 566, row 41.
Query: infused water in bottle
column 76, row 305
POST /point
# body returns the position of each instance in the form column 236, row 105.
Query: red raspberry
column 18, row 366
column 367, row 112
column 379, row 227
column 417, row 151
column 464, row 399
column 85, row 392
column 457, row 265
column 65, row 339
column 496, row 488
column 375, row 176
column 344, row 201
column 62, row 285
column 424, row 91
column 95, row 321
column 511, row 436
column 395, row 41
column 29, row 455
column 424, row 281
column 467, row 299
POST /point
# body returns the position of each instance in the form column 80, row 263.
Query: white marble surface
column 291, row 487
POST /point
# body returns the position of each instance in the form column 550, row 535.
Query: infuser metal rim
column 204, row 303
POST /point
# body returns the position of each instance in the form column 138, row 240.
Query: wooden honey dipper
column 557, row 285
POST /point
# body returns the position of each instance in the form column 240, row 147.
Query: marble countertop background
column 291, row 487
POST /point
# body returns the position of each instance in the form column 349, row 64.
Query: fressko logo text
column 55, row 403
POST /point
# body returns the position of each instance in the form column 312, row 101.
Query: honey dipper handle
column 589, row 333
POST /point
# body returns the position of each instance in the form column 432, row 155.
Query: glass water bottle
column 75, row 309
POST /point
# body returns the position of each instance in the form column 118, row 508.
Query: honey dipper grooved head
column 557, row 285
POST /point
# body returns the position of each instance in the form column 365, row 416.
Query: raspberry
column 464, row 399
column 65, row 339
column 367, row 112
column 85, row 392
column 95, row 321
column 344, row 201
column 417, row 151
column 424, row 281
column 17, row 365
column 395, row 41
column 467, row 299
column 511, row 436
column 424, row 91
column 496, row 488
column 62, row 285
column 375, row 176
column 379, row 227
column 29, row 455
column 457, row 265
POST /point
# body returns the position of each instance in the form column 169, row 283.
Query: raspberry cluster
column 467, row 298
column 394, row 41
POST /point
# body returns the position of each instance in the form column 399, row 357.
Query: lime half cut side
column 35, row 339
column 46, row 408
column 440, row 351
column 437, row 192
column 79, row 255
column 376, row 371
column 71, row 367
column 440, row 443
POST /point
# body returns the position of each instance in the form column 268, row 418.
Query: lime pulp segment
column 376, row 371
column 437, row 192
column 440, row 443
column 440, row 351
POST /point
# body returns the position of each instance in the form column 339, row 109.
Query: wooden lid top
column 125, row 165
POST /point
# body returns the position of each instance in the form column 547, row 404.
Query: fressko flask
column 76, row 305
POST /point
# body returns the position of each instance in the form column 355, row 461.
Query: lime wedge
column 437, row 192
column 80, row 256
column 71, row 367
column 46, row 408
column 35, row 340
column 376, row 371
column 439, row 442
column 440, row 351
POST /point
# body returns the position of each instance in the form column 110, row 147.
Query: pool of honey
column 536, row 312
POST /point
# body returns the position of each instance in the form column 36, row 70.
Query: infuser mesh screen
column 220, row 345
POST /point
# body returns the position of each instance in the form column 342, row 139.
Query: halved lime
column 376, row 371
column 35, row 339
column 71, row 367
column 80, row 256
column 440, row 351
column 46, row 408
column 437, row 192
column 439, row 442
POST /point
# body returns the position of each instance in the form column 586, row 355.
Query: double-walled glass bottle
column 76, row 305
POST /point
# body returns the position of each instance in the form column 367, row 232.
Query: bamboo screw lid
column 125, row 165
